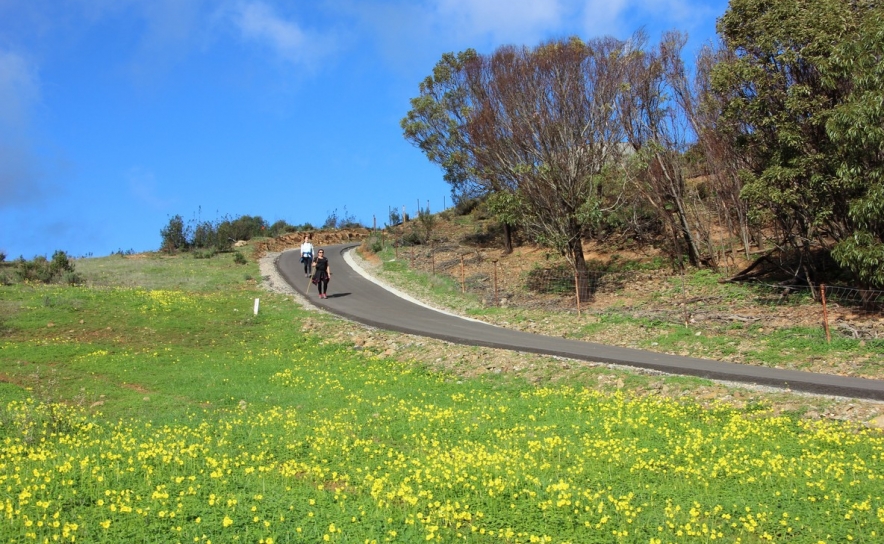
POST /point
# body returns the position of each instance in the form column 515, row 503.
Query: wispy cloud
column 19, row 93
column 259, row 22
column 502, row 20
column 143, row 185
column 19, row 90
column 408, row 32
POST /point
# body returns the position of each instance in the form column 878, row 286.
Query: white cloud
column 259, row 22
column 504, row 20
column 606, row 17
column 19, row 93
column 143, row 185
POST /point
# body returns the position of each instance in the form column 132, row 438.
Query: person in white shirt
column 307, row 255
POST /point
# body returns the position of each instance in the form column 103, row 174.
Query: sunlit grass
column 170, row 415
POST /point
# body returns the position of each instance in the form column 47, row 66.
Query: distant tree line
column 59, row 269
column 219, row 235
column 773, row 142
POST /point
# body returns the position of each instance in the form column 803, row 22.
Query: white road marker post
column 256, row 306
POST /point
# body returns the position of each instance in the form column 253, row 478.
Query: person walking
column 307, row 255
column 321, row 274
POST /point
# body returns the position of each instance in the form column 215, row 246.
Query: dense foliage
column 780, row 125
column 803, row 83
column 218, row 235
column 59, row 269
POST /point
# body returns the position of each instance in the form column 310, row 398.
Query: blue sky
column 117, row 114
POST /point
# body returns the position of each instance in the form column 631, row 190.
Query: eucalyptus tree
column 781, row 87
column 717, row 138
column 436, row 125
column 856, row 128
column 536, row 123
column 652, row 110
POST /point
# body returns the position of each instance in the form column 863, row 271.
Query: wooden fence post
column 825, row 313
column 463, row 285
column 495, row 281
column 577, row 290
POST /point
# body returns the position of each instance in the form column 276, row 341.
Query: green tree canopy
column 785, row 88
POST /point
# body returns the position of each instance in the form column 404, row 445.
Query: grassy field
column 740, row 323
column 154, row 406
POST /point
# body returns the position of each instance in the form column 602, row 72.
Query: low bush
column 204, row 253
column 60, row 269
column 465, row 205
column 413, row 237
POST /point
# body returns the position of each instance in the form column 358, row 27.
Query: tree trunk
column 584, row 282
column 507, row 238
column 688, row 235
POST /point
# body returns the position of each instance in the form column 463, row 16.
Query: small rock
column 877, row 422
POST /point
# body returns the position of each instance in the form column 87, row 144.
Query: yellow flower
column 105, row 524
column 227, row 521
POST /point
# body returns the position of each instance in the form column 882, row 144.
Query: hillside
column 645, row 309
column 637, row 283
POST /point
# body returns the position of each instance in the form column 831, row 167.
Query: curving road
column 358, row 297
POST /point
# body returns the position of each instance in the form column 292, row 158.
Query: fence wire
column 556, row 286
column 871, row 300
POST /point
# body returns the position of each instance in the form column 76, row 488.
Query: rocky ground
column 469, row 362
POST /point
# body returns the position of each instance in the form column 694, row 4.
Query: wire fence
column 482, row 275
column 558, row 287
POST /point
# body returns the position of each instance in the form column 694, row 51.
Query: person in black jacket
column 321, row 273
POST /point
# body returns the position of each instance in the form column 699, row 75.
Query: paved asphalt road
column 356, row 297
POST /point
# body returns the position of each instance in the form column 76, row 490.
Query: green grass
column 779, row 347
column 160, row 271
column 790, row 347
column 440, row 288
column 164, row 414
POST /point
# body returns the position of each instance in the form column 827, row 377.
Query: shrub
column 58, row 270
column 205, row 234
column 348, row 221
column 427, row 222
column 174, row 235
column 331, row 220
column 374, row 243
column 394, row 217
column 2, row 256
column 60, row 263
column 280, row 227
column 412, row 237
column 70, row 277
column 239, row 258
column 464, row 205
column 207, row 253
